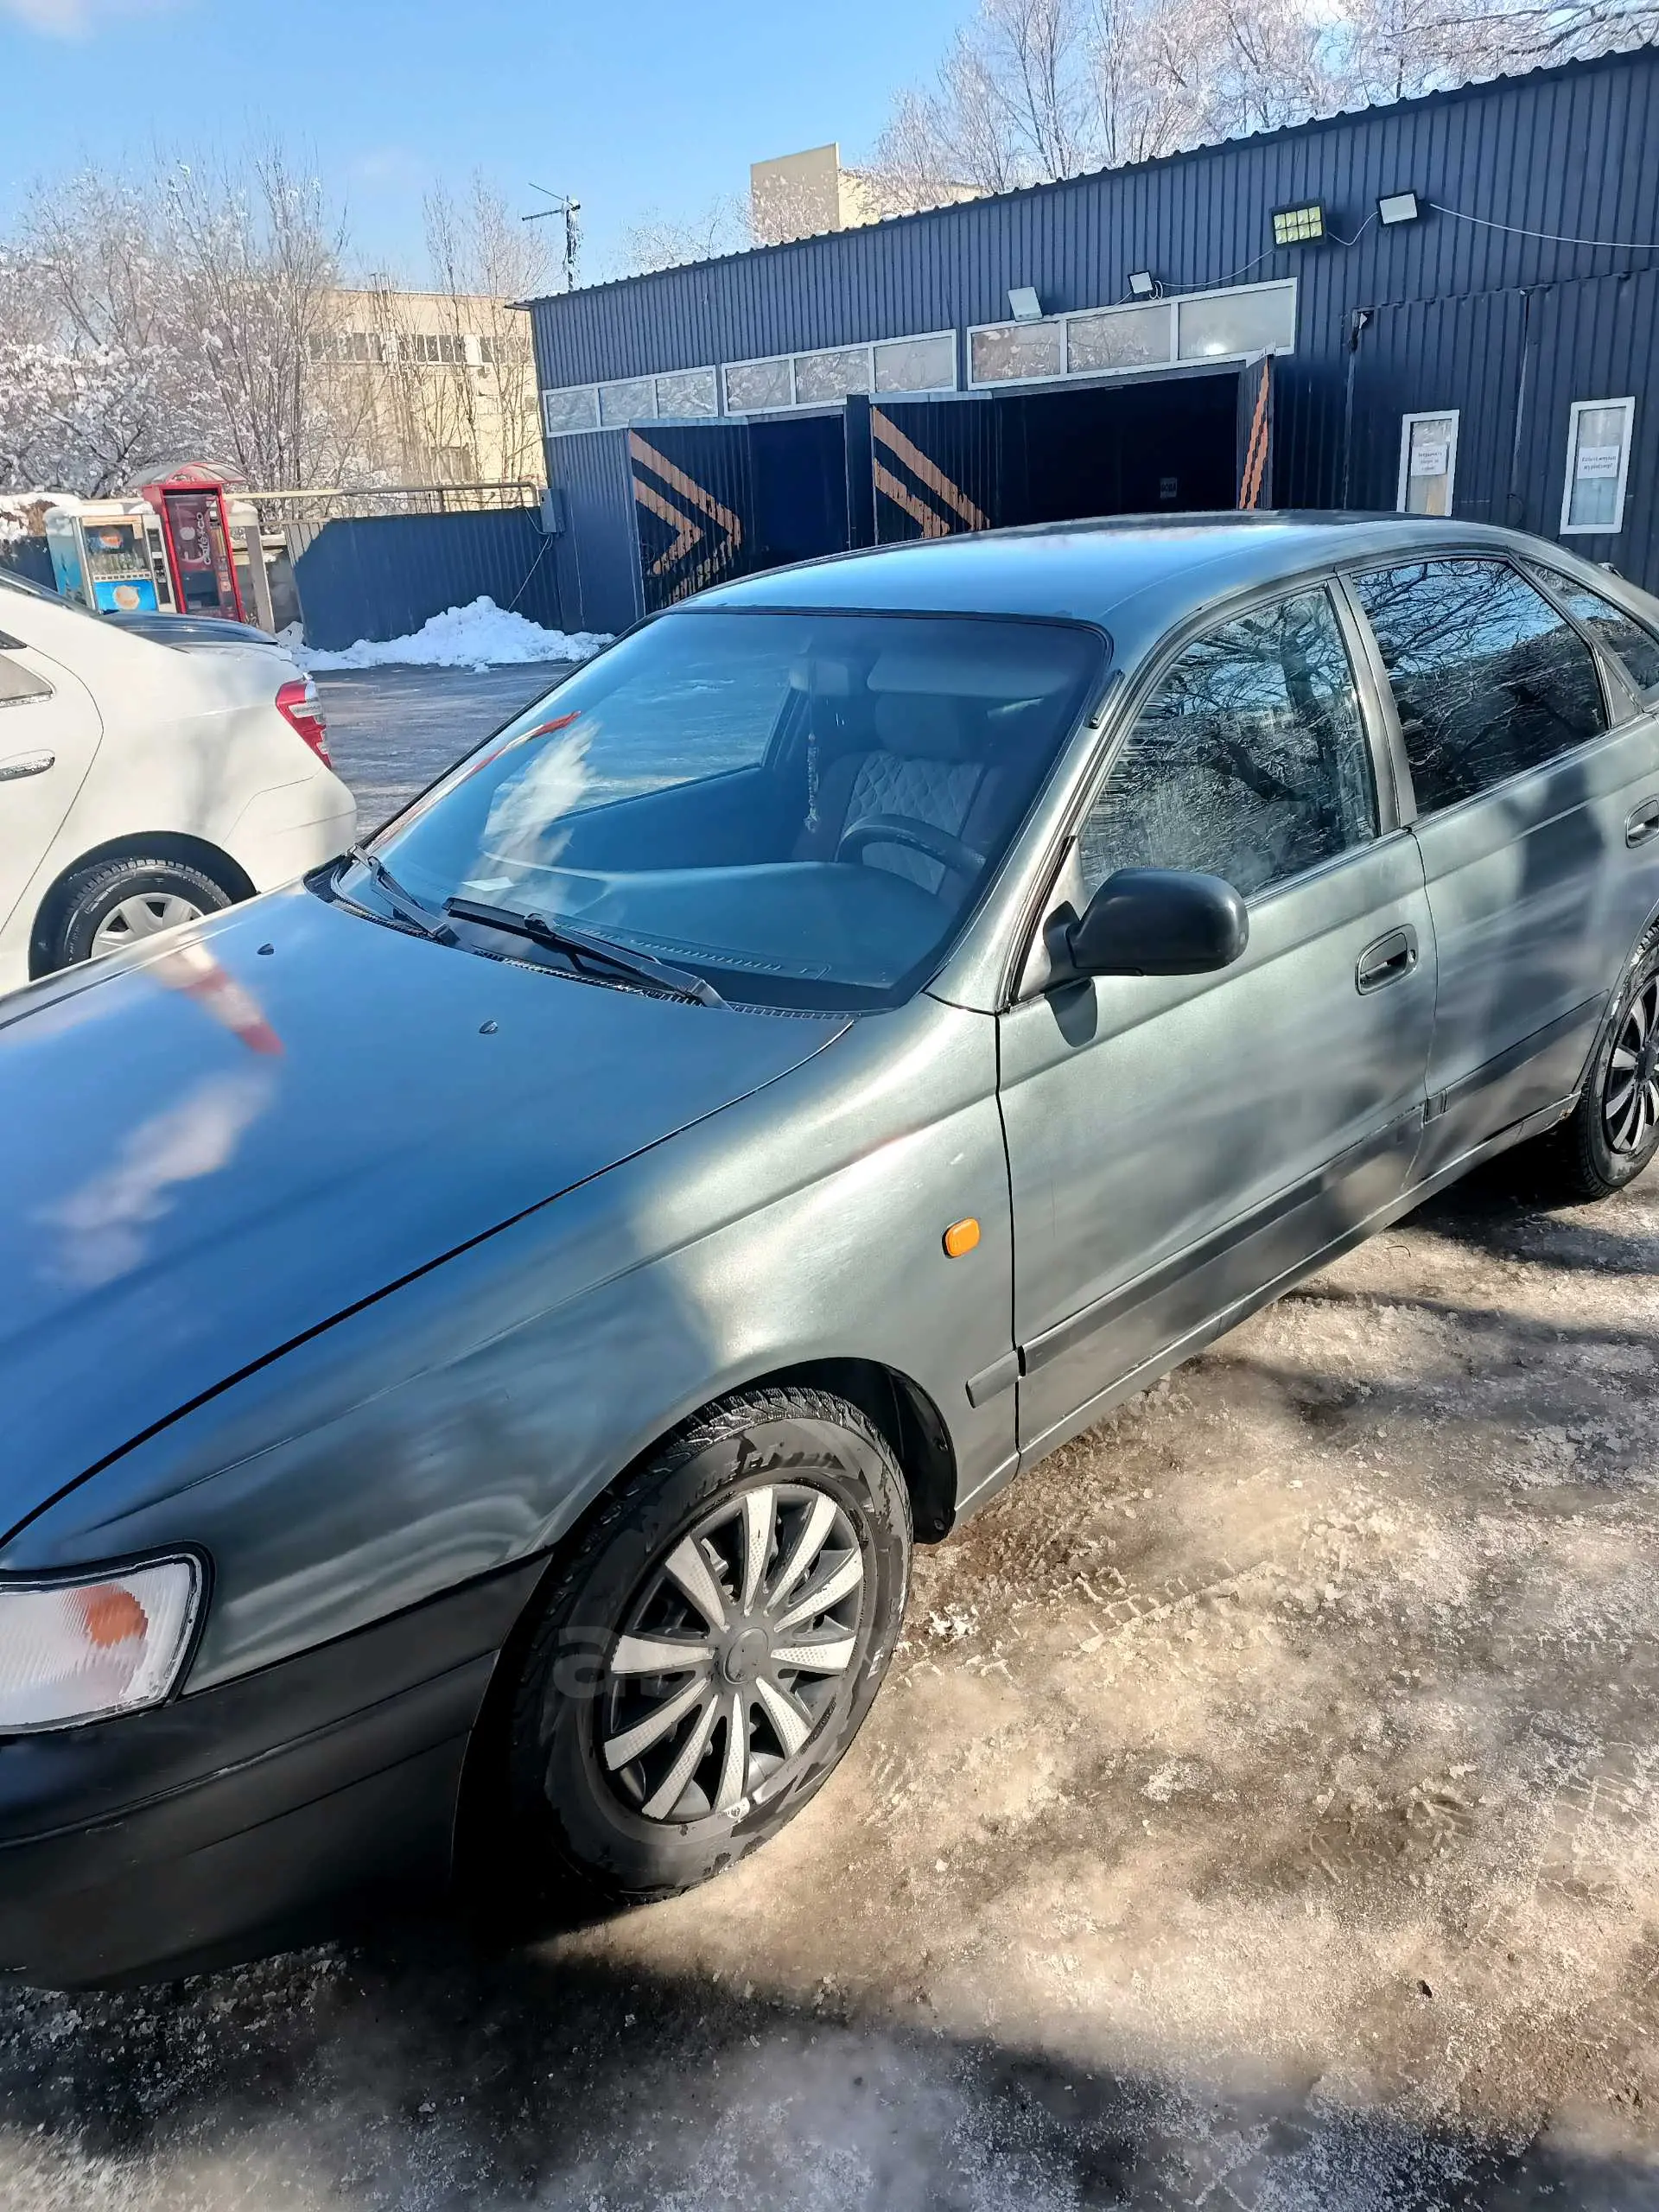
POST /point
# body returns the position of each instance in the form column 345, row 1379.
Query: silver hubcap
column 730, row 1654
column 143, row 915
column 1630, row 1101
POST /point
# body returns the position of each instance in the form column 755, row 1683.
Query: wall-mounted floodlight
column 1142, row 283
column 1024, row 304
column 1398, row 207
column 1303, row 226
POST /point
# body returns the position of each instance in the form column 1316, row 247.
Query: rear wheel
column 713, row 1647
column 112, row 904
column 1613, row 1132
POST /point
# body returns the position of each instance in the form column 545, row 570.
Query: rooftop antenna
column 563, row 205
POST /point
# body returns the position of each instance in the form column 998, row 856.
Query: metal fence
column 378, row 576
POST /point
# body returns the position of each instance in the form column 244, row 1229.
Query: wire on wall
column 1549, row 238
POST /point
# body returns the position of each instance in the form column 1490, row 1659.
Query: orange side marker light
column 961, row 1239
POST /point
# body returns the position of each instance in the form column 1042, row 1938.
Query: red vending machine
column 196, row 529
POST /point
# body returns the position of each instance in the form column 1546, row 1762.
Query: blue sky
column 633, row 105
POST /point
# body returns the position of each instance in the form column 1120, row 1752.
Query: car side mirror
column 1160, row 921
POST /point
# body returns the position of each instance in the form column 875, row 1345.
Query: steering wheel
column 919, row 836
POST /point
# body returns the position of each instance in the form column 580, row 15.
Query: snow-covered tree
column 1029, row 91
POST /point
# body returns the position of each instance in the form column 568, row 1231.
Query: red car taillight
column 300, row 709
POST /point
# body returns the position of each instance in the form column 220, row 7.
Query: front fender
column 467, row 1419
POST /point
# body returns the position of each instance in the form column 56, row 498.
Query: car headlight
column 81, row 1649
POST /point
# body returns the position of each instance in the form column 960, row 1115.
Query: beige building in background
column 439, row 387
column 800, row 195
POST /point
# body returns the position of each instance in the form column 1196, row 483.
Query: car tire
column 771, row 1529
column 1612, row 1133
column 112, row 903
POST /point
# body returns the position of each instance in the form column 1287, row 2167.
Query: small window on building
column 687, row 392
column 755, row 387
column 824, row 378
column 1119, row 338
column 575, row 408
column 486, row 351
column 916, row 363
column 1262, row 320
column 630, row 399
column 1008, row 353
column 1598, row 461
column 1428, row 462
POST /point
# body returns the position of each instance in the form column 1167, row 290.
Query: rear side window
column 1249, row 760
column 18, row 683
column 1638, row 649
column 1489, row 679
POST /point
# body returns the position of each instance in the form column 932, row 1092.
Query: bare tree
column 660, row 241
column 258, row 257
column 484, row 262
column 1032, row 90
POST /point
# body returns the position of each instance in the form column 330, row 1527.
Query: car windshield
column 801, row 808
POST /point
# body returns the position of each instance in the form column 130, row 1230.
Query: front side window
column 1489, row 679
column 1249, row 761
column 802, row 807
column 1634, row 646
column 1598, row 461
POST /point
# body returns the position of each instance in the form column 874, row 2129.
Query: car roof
column 1130, row 573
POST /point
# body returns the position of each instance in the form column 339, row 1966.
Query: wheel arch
column 161, row 844
column 914, row 1430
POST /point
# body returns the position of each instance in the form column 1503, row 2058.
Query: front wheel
column 713, row 1646
column 1613, row 1132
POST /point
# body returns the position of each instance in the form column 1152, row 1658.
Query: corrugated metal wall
column 383, row 575
column 1573, row 152
column 596, row 553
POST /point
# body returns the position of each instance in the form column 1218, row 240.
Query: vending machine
column 110, row 556
column 195, row 524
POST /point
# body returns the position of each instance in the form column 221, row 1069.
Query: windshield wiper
column 580, row 948
column 406, row 906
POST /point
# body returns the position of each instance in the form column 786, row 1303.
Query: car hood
column 215, row 1149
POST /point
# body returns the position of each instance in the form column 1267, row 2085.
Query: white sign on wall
column 1430, row 459
column 1598, row 461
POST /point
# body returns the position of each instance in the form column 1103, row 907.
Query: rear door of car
column 1530, row 774
column 1176, row 1144
column 49, row 731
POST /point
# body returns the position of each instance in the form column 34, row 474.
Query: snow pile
column 480, row 636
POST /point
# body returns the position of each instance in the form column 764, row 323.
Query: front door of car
column 1529, row 815
column 49, row 730
column 1177, row 1143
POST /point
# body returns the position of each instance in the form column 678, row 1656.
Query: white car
column 142, row 783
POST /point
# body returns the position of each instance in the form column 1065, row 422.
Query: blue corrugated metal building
column 1488, row 356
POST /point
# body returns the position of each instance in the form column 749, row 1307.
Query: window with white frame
column 1598, row 464
column 829, row 374
column 1229, row 324
column 678, row 395
column 1428, row 461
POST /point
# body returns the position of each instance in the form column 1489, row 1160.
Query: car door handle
column 1641, row 820
column 1388, row 960
column 26, row 764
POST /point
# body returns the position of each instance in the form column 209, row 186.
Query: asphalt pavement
column 391, row 730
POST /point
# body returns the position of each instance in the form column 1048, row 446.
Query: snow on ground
column 479, row 636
